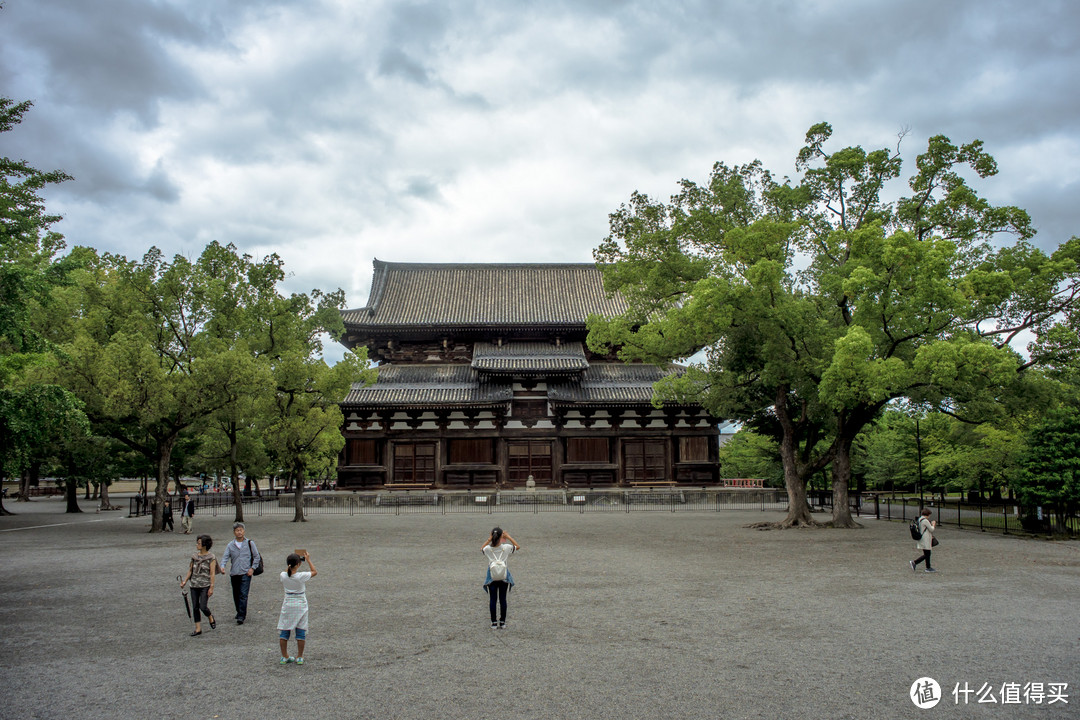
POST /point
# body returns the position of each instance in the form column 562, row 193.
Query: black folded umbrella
column 183, row 591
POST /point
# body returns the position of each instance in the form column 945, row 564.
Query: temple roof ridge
column 419, row 295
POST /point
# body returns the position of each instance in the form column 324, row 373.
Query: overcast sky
column 335, row 131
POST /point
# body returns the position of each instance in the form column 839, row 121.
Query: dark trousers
column 199, row 598
column 497, row 591
column 925, row 558
column 240, row 586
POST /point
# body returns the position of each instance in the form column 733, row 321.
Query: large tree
column 302, row 415
column 819, row 302
column 246, row 305
column 140, row 354
column 31, row 411
column 1050, row 466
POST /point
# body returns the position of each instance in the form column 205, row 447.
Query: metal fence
column 585, row 501
column 1004, row 516
column 211, row 503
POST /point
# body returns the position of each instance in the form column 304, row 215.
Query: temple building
column 484, row 381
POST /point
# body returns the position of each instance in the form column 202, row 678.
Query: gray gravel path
column 640, row 615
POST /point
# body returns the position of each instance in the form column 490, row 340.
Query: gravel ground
column 639, row 615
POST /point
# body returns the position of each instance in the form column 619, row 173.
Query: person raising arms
column 497, row 549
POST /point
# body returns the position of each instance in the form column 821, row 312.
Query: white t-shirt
column 502, row 552
column 295, row 584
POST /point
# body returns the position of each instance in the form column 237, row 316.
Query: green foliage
column 973, row 457
column 910, row 298
column 86, row 460
column 32, row 412
column 1051, row 464
column 303, row 419
column 160, row 350
column 750, row 455
column 36, row 417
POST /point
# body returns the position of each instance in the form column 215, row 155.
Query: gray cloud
column 334, row 132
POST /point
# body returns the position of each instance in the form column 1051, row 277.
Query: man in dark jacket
column 187, row 511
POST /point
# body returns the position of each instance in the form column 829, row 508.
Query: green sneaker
column 300, row 661
column 284, row 661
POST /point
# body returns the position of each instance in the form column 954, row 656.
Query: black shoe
column 194, row 634
column 239, row 622
column 213, row 625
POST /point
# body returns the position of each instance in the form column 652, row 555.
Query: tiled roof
column 529, row 358
column 461, row 385
column 429, row 385
column 611, row 384
column 479, row 294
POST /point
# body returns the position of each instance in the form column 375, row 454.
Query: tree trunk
column 798, row 514
column 238, row 499
column 161, row 492
column 71, row 490
column 3, row 510
column 841, row 470
column 27, row 479
column 105, row 504
column 234, row 476
column 298, row 498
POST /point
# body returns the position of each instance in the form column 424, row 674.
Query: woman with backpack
column 497, row 549
column 926, row 540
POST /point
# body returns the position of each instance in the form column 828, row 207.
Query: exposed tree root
column 848, row 524
column 784, row 525
column 787, row 525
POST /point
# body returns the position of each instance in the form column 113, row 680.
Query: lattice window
column 530, row 409
column 644, row 460
column 532, row 457
column 414, row 462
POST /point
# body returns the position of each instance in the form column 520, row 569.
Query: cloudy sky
column 335, row 131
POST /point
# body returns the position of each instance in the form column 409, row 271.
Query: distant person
column 167, row 515
column 187, row 511
column 926, row 542
column 294, row 608
column 243, row 557
column 202, row 569
column 497, row 549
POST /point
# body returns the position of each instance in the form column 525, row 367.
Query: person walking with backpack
column 497, row 549
column 245, row 562
column 926, row 540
